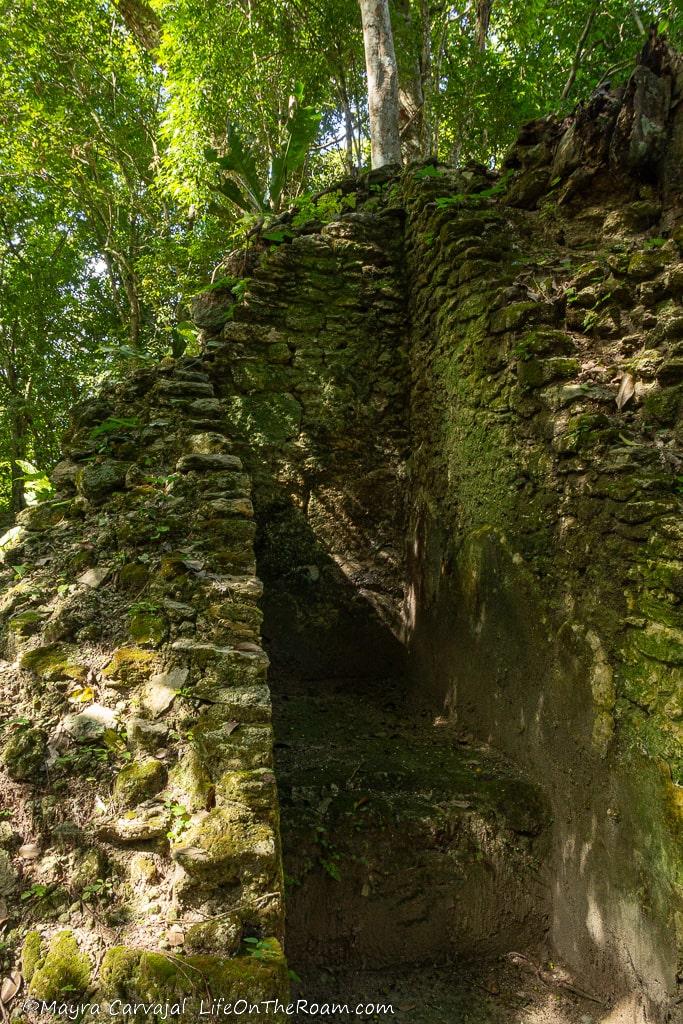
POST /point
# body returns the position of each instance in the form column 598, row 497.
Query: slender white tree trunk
column 380, row 61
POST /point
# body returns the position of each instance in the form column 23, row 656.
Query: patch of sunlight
column 628, row 1010
column 8, row 538
column 544, row 1012
column 594, row 922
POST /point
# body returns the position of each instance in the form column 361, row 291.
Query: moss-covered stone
column 89, row 867
column 65, row 971
column 41, row 516
column 536, row 373
column 130, row 665
column 133, row 576
column 227, row 843
column 255, row 789
column 8, row 877
column 31, row 955
column 221, row 936
column 117, row 971
column 148, row 626
column 512, row 316
column 661, row 643
column 53, row 662
column 98, row 479
column 25, row 623
column 139, row 781
column 191, row 782
column 160, row 979
column 267, row 419
column 647, row 263
column 24, row 754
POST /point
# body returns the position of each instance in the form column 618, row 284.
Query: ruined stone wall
column 545, row 533
column 460, row 406
column 140, row 853
column 312, row 366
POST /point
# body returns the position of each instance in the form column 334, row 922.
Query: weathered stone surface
column 443, row 373
column 24, row 754
column 145, row 735
column 208, row 463
column 89, row 725
column 129, row 665
column 8, row 878
column 162, row 689
column 99, row 479
column 139, row 781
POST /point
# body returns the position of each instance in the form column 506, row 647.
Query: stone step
column 405, row 845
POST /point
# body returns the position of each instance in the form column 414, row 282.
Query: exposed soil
column 489, row 992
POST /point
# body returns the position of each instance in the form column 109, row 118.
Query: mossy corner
column 197, row 981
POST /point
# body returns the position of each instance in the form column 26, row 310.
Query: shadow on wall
column 527, row 678
column 316, row 623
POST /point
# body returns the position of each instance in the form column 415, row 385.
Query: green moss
column 117, row 971
column 536, row 373
column 255, row 789
column 24, row 754
column 646, row 263
column 31, row 955
column 661, row 643
column 90, row 867
column 98, row 479
column 191, row 782
column 65, row 971
column 133, row 576
column 542, row 341
column 25, row 623
column 228, row 842
column 53, row 662
column 139, row 781
column 130, row 665
column 148, row 627
column 265, row 419
column 156, row 978
column 41, row 516
column 221, row 936
column 512, row 316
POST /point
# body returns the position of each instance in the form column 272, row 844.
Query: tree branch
column 579, row 50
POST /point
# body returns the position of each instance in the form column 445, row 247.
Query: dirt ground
column 495, row 993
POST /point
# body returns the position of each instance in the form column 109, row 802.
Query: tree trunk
column 483, row 18
column 410, row 94
column 17, row 439
column 426, row 75
column 380, row 61
column 17, row 450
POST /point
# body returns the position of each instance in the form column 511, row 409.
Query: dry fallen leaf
column 81, row 695
column 10, row 986
column 175, row 935
column 3, row 912
column 30, row 851
column 626, row 391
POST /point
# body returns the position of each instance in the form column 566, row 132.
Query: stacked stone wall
column 142, row 838
column 545, row 602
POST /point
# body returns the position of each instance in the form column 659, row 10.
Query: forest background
column 140, row 143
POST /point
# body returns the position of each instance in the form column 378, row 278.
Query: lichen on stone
column 53, row 662
column 24, row 754
column 138, row 781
